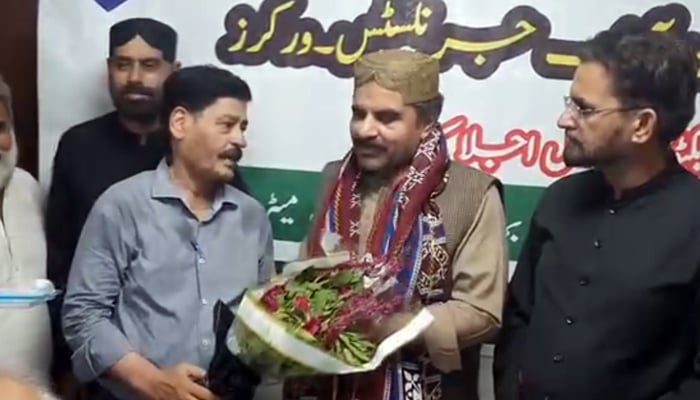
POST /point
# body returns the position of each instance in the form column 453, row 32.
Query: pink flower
column 276, row 290
column 271, row 298
column 313, row 326
column 271, row 303
column 302, row 304
column 332, row 337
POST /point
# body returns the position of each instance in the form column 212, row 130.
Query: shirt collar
column 163, row 187
column 658, row 182
column 122, row 134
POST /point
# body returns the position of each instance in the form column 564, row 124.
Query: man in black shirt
column 95, row 154
column 605, row 300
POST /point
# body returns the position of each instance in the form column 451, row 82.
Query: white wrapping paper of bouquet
column 275, row 334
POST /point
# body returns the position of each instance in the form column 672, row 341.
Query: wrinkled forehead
column 373, row 97
column 225, row 108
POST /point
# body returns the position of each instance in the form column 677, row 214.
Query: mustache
column 572, row 138
column 137, row 89
column 235, row 154
column 367, row 145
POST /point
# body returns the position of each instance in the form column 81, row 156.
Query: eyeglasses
column 582, row 113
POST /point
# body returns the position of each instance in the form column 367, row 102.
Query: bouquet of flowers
column 313, row 318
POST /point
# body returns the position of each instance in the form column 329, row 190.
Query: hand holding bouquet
column 314, row 318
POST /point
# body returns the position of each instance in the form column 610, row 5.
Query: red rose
column 313, row 326
column 302, row 304
column 276, row 290
column 332, row 337
column 271, row 305
column 271, row 298
column 270, row 302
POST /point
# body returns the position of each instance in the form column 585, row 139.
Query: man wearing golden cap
column 397, row 194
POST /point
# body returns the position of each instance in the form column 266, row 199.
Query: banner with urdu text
column 506, row 66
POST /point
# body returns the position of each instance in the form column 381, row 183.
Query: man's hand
column 179, row 383
column 378, row 331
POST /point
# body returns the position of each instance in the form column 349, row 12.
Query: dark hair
column 649, row 69
column 157, row 34
column 197, row 87
column 429, row 111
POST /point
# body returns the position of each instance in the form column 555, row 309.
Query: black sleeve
column 516, row 317
column 61, row 219
column 689, row 388
column 61, row 239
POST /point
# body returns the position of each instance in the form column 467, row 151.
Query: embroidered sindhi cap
column 415, row 75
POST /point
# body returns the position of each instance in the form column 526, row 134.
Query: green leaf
column 311, row 286
column 322, row 299
column 344, row 278
column 304, row 290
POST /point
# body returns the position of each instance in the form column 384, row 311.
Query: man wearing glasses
column 605, row 300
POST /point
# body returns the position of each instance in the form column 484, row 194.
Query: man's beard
column 576, row 154
column 8, row 162
column 143, row 110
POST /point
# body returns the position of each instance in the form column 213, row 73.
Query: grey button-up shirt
column 147, row 273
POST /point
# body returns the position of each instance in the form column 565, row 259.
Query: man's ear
column 644, row 125
column 426, row 131
column 178, row 122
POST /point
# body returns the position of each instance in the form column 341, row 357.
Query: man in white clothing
column 25, row 336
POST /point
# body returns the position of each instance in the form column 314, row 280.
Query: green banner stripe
column 289, row 196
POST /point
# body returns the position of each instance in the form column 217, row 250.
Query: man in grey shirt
column 160, row 248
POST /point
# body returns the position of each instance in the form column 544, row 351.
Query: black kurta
column 90, row 158
column 604, row 302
